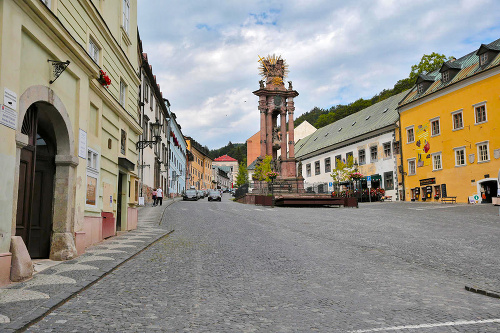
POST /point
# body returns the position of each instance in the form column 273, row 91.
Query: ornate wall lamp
column 156, row 128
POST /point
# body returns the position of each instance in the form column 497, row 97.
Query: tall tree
column 242, row 177
column 428, row 63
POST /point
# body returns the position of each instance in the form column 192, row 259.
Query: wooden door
column 25, row 192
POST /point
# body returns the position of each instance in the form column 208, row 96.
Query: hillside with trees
column 235, row 150
column 319, row 117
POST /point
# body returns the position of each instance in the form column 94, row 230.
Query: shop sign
column 443, row 191
column 10, row 99
column 427, row 181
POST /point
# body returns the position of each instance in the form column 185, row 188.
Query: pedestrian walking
column 154, row 196
column 159, row 195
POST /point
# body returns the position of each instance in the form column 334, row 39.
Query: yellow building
column 450, row 130
column 200, row 167
column 68, row 137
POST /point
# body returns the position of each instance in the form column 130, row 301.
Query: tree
column 343, row 170
column 428, row 63
column 242, row 177
column 325, row 119
column 262, row 168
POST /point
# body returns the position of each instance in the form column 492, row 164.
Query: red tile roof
column 225, row 158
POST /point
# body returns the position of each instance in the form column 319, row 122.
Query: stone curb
column 37, row 313
column 484, row 292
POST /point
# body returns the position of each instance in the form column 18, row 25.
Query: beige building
column 199, row 167
column 68, row 150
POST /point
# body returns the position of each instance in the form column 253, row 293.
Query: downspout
column 401, row 157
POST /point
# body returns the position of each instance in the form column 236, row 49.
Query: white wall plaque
column 10, row 99
column 8, row 117
column 82, row 144
column 471, row 158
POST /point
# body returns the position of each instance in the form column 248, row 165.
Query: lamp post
column 140, row 145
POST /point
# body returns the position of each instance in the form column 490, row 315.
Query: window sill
column 387, row 158
column 437, row 170
column 482, row 122
column 410, row 142
column 460, row 166
column 126, row 37
column 457, row 129
column 434, row 135
column 479, row 162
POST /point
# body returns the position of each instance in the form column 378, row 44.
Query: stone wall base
column 63, row 246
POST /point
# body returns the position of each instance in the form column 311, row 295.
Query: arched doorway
column 46, row 175
column 36, row 182
column 487, row 189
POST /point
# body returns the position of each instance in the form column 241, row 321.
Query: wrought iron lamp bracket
column 58, row 67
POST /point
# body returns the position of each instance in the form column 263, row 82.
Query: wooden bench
column 449, row 199
column 387, row 197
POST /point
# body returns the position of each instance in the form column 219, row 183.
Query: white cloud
column 204, row 54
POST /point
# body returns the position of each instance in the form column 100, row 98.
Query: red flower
column 104, row 79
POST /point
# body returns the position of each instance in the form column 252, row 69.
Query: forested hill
column 235, row 150
column 321, row 117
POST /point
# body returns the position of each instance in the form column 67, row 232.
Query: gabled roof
column 469, row 66
column 252, row 165
column 225, row 158
column 372, row 118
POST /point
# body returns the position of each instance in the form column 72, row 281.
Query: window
column 396, row 147
column 480, row 113
column 123, row 142
column 436, row 161
column 410, row 134
column 337, row 159
column 373, row 154
column 387, row 150
column 460, row 156
column 146, row 92
column 482, row 152
column 483, row 59
column 94, row 51
column 458, row 120
column 317, row 168
column 92, row 177
column 435, row 130
column 389, row 180
column 328, row 164
column 126, row 15
column 362, row 156
column 411, row 166
column 445, row 76
column 308, row 170
column 348, row 156
column 123, row 92
column 420, row 88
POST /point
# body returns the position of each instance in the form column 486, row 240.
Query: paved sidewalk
column 25, row 302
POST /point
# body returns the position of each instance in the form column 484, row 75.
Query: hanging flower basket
column 272, row 175
column 355, row 176
column 104, row 79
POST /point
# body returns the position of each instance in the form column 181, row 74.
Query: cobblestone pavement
column 21, row 303
column 228, row 267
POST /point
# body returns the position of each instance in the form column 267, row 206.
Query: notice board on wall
column 107, row 197
column 443, row 191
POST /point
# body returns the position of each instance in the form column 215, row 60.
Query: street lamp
column 156, row 128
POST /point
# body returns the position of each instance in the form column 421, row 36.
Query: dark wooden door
column 119, row 203
column 25, row 192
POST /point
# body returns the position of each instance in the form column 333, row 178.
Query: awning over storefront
column 375, row 177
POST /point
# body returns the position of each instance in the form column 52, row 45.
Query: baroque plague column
column 275, row 99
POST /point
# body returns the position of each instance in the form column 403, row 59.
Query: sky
column 205, row 53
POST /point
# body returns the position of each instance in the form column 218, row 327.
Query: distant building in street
column 230, row 162
column 200, row 168
column 221, row 177
column 450, row 129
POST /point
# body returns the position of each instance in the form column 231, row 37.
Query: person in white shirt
column 159, row 195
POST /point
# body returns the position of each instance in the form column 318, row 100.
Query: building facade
column 369, row 136
column 200, row 167
column 221, row 176
column 450, row 136
column 231, row 163
column 69, row 125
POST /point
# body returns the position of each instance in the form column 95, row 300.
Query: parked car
column 214, row 195
column 190, row 195
column 199, row 193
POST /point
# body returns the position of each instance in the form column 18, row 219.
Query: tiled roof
column 374, row 117
column 468, row 65
column 253, row 165
column 225, row 158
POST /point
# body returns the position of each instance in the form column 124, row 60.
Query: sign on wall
column 82, row 144
column 10, row 99
column 8, row 117
column 423, row 145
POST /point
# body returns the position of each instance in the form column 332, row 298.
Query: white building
column 369, row 135
column 221, row 176
column 230, row 162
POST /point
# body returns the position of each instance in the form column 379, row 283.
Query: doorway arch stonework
column 62, row 245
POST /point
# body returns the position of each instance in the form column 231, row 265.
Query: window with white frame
column 437, row 161
column 410, row 134
column 412, row 166
column 126, row 15
column 337, row 159
column 123, row 93
column 420, row 88
column 458, row 120
column 373, row 154
column 94, row 50
column 483, row 59
column 387, row 150
column 362, row 156
column 92, row 177
column 317, row 168
column 308, row 169
column 445, row 76
column 482, row 152
column 480, row 113
column 146, row 92
column 328, row 164
column 460, row 156
column 435, row 130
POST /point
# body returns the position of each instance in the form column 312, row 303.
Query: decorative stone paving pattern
column 18, row 295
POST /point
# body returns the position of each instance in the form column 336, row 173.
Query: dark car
column 190, row 195
column 214, row 195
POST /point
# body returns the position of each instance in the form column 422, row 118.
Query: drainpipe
column 401, row 157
